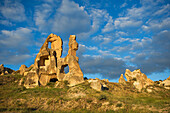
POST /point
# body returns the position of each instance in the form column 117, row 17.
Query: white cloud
column 121, row 40
column 99, row 18
column 104, row 39
column 14, row 45
column 164, row 9
column 13, row 11
column 6, row 23
column 126, row 22
column 123, row 5
column 109, row 26
column 157, row 25
column 69, row 17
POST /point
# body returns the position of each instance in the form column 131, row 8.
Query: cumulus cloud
column 156, row 58
column 14, row 45
column 13, row 11
column 99, row 19
column 69, row 17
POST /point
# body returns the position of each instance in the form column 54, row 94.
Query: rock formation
column 138, row 79
column 22, row 69
column 166, row 83
column 5, row 70
column 122, row 80
column 49, row 66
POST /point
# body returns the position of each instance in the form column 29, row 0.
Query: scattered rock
column 95, row 84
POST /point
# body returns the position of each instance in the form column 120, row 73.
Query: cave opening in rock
column 53, row 80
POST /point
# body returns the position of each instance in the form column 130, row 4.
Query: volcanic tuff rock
column 122, row 80
column 166, row 83
column 49, row 66
column 138, row 79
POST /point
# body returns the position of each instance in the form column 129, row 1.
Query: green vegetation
column 80, row 98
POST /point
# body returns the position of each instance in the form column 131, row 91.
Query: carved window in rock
column 44, row 61
column 64, row 69
column 49, row 45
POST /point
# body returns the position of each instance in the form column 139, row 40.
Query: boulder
column 95, row 84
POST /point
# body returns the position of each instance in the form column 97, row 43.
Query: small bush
column 102, row 97
column 89, row 100
column 51, row 84
column 66, row 82
column 119, row 105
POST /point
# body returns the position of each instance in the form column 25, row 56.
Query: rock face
column 5, row 70
column 166, row 83
column 138, row 79
column 49, row 66
column 22, row 69
column 122, row 80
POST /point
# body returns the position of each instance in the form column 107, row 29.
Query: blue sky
column 112, row 35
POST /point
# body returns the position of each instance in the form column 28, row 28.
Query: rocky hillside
column 60, row 97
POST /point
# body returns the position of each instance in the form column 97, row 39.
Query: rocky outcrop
column 49, row 66
column 22, row 69
column 138, row 79
column 5, row 70
column 122, row 80
column 166, row 83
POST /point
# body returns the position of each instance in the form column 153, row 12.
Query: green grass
column 15, row 98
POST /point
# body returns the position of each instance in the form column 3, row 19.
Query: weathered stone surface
column 49, row 64
column 95, row 84
column 22, row 69
column 122, row 80
column 166, row 83
column 31, row 80
column 98, row 84
column 138, row 79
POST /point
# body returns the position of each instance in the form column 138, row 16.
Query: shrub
column 119, row 105
column 89, row 100
column 102, row 97
column 66, row 82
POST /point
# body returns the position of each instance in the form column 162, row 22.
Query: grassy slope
column 81, row 98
